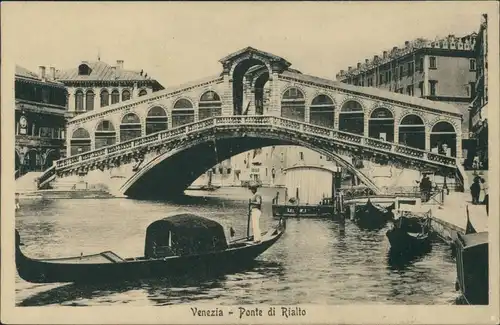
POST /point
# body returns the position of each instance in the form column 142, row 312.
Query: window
column 432, row 62
column 381, row 78
column 411, row 66
column 282, row 158
column 472, row 89
column 401, row 71
column 301, row 155
column 115, row 96
column 420, row 66
column 421, row 87
column 432, row 85
column 84, row 69
column 472, row 65
column 389, row 76
column 143, row 92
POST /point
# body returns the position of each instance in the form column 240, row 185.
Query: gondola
column 410, row 235
column 372, row 216
column 174, row 246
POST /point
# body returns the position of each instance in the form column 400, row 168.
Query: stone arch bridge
column 160, row 143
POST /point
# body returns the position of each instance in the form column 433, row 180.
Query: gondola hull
column 404, row 242
column 108, row 267
column 372, row 217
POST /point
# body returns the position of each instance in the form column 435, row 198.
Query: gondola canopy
column 183, row 234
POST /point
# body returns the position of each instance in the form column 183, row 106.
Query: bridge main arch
column 166, row 173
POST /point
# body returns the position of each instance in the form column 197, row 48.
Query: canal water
column 315, row 262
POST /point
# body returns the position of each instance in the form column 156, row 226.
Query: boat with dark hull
column 174, row 246
column 325, row 209
column 472, row 267
column 410, row 235
column 371, row 216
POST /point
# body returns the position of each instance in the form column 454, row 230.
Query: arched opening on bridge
column 444, row 139
column 322, row 111
column 412, row 132
column 381, row 124
column 105, row 134
column 80, row 142
column 156, row 120
column 260, row 84
column 293, row 104
column 183, row 113
column 351, row 118
column 210, row 105
column 130, row 128
column 51, row 156
column 238, row 76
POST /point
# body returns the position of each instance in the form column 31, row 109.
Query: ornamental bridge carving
column 162, row 142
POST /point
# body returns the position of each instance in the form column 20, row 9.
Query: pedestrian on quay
column 255, row 211
column 484, row 190
column 475, row 190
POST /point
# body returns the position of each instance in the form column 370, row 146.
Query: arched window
column 130, row 128
column 351, row 118
column 143, row 92
column 210, row 105
column 105, row 134
column 182, row 113
column 125, row 95
column 79, row 101
column 381, row 124
column 412, row 131
column 115, row 96
column 293, row 104
column 89, row 101
column 80, row 142
column 156, row 120
column 444, row 139
column 322, row 111
column 104, row 98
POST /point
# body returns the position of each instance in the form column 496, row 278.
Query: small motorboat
column 174, row 246
column 373, row 216
column 472, row 267
column 410, row 235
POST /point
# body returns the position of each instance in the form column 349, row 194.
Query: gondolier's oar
column 248, row 221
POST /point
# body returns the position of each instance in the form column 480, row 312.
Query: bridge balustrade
column 346, row 137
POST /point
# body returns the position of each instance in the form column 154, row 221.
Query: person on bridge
column 255, row 211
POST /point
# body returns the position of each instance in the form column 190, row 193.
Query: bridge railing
column 262, row 120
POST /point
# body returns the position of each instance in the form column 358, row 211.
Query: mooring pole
column 248, row 221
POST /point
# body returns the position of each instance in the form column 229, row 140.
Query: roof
column 28, row 75
column 382, row 94
column 250, row 49
column 101, row 71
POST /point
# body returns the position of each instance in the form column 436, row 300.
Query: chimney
column 113, row 68
column 395, row 48
column 119, row 64
column 359, row 65
column 53, row 73
column 367, row 61
column 42, row 72
column 407, row 43
column 375, row 58
column 342, row 72
column 384, row 55
column 349, row 68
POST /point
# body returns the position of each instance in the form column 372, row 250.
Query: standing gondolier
column 255, row 207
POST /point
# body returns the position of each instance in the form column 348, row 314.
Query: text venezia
column 251, row 312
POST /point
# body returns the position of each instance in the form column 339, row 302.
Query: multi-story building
column 40, row 106
column 478, row 156
column 95, row 85
column 441, row 70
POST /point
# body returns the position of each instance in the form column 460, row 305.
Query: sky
column 177, row 42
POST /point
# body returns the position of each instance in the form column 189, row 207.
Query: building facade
column 478, row 156
column 441, row 70
column 96, row 85
column 40, row 106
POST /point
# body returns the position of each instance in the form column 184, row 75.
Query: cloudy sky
column 178, row 42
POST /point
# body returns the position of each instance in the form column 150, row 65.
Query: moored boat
column 175, row 245
column 326, row 208
column 373, row 216
column 472, row 267
column 410, row 235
